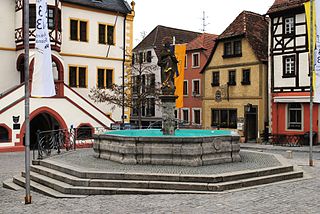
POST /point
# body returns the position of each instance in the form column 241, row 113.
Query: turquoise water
column 178, row 133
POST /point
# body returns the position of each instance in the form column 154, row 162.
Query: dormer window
column 232, row 49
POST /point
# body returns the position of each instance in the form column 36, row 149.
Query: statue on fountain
column 168, row 63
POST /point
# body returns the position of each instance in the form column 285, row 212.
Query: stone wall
column 189, row 151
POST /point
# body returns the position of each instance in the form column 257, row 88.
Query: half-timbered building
column 289, row 79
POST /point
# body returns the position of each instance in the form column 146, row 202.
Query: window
column 106, row 34
column 50, row 17
column 151, row 107
column 185, row 61
column 289, row 65
column 110, row 35
column 141, row 57
column 224, row 118
column 185, row 115
column 195, row 60
column 77, row 77
column 196, row 87
column 245, row 77
column 105, row 78
column 232, row 77
column 149, row 56
column 134, row 109
column 102, row 34
column 151, row 83
column 185, row 87
column 294, row 116
column 78, row 30
column 232, row 49
column 237, row 47
column 4, row 134
column 32, row 16
column 84, row 132
column 215, row 78
column 196, row 116
column 288, row 25
column 227, row 48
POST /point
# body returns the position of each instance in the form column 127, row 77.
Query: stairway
column 62, row 181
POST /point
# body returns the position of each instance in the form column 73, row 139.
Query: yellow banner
column 180, row 53
column 308, row 17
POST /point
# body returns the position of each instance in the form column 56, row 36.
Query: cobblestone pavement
column 85, row 158
column 287, row 197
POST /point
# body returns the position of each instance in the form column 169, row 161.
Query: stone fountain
column 168, row 146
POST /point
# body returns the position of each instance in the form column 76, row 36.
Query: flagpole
column 27, row 101
column 311, row 83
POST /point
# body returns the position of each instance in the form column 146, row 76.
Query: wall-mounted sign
column 218, row 96
column 240, row 123
column 16, row 124
column 15, row 119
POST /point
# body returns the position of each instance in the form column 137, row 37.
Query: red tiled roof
column 254, row 27
column 154, row 39
column 205, row 41
column 281, row 5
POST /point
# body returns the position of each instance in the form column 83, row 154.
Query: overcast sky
column 187, row 14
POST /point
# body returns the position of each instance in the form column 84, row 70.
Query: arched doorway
column 43, row 119
column 41, row 122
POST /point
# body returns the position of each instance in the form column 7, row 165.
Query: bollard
column 289, row 154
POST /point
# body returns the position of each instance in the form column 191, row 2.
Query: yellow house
column 235, row 78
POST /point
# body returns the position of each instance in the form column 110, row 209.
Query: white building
column 89, row 40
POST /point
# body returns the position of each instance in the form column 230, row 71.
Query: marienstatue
column 168, row 63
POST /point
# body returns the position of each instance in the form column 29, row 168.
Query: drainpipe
column 123, row 66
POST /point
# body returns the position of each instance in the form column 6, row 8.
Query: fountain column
column 168, row 117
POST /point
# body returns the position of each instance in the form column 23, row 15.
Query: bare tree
column 139, row 86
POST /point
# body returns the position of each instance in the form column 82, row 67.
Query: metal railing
column 54, row 141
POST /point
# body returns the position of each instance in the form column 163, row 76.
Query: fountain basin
column 185, row 148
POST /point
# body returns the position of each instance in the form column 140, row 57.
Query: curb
column 305, row 149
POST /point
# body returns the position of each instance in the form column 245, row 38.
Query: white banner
column 317, row 53
column 42, row 78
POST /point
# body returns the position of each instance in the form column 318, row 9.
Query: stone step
column 256, row 181
column 10, row 185
column 81, row 191
column 60, row 176
column 224, row 177
column 98, row 187
column 19, row 180
column 72, row 180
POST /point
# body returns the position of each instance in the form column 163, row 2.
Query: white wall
column 92, row 47
column 7, row 23
column 93, row 51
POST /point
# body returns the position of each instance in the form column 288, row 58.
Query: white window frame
column 193, row 115
column 287, row 119
column 289, row 25
column 290, row 66
column 186, row 61
column 182, row 115
column 196, row 66
column 178, row 113
column 193, row 87
column 187, row 88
